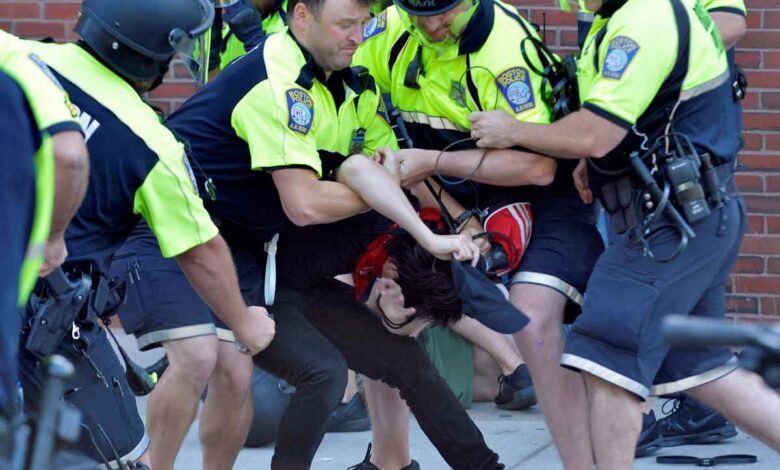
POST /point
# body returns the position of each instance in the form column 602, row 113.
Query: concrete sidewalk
column 520, row 438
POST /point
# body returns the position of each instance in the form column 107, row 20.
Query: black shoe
column 516, row 391
column 650, row 439
column 367, row 465
column 693, row 422
column 350, row 417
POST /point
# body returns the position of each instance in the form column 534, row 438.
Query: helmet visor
column 193, row 45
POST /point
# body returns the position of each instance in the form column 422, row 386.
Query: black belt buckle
column 730, row 459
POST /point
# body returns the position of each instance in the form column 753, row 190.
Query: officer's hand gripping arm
column 210, row 270
column 581, row 134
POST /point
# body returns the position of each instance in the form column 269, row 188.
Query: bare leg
column 174, row 401
column 615, row 423
column 351, row 388
column 227, row 413
column 485, row 372
column 757, row 410
column 389, row 425
column 500, row 347
column 561, row 393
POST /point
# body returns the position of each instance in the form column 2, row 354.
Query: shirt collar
column 477, row 31
column 311, row 70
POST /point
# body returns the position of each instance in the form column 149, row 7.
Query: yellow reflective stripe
column 585, row 16
column 44, row 206
column 705, row 87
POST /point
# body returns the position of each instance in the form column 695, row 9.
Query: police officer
column 241, row 26
column 19, row 136
column 68, row 155
column 439, row 61
column 54, row 143
column 693, row 422
column 584, row 19
column 138, row 169
column 272, row 132
column 640, row 94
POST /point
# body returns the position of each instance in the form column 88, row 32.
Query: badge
column 619, row 55
column 376, row 26
column 358, row 139
column 381, row 110
column 458, row 94
column 300, row 108
column 515, row 85
column 190, row 172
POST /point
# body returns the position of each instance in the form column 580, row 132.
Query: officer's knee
column 545, row 311
column 233, row 371
column 193, row 359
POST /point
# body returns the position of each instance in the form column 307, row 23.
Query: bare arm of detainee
column 377, row 186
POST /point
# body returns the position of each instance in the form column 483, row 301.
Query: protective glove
column 246, row 22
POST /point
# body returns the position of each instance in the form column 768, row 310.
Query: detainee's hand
column 54, row 255
column 256, row 330
column 474, row 228
column 391, row 300
column 416, row 165
column 493, row 129
column 461, row 246
column 390, row 162
column 580, row 176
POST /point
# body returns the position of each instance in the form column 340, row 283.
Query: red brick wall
column 755, row 285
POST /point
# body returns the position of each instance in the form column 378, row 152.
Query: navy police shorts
column 617, row 337
column 161, row 304
column 565, row 245
column 111, row 427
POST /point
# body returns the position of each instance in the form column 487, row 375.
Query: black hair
column 315, row 6
column 426, row 281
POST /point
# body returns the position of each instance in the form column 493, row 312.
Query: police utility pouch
column 683, row 175
column 54, row 309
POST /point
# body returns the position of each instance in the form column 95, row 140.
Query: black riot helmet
column 426, row 7
column 138, row 38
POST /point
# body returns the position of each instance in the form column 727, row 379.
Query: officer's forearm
column 732, row 27
column 71, row 166
column 499, row 167
column 383, row 194
column 210, row 270
column 582, row 134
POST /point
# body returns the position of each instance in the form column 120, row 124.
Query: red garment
column 369, row 266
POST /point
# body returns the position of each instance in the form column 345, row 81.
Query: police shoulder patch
column 300, row 108
column 376, row 26
column 381, row 110
column 619, row 55
column 515, row 85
